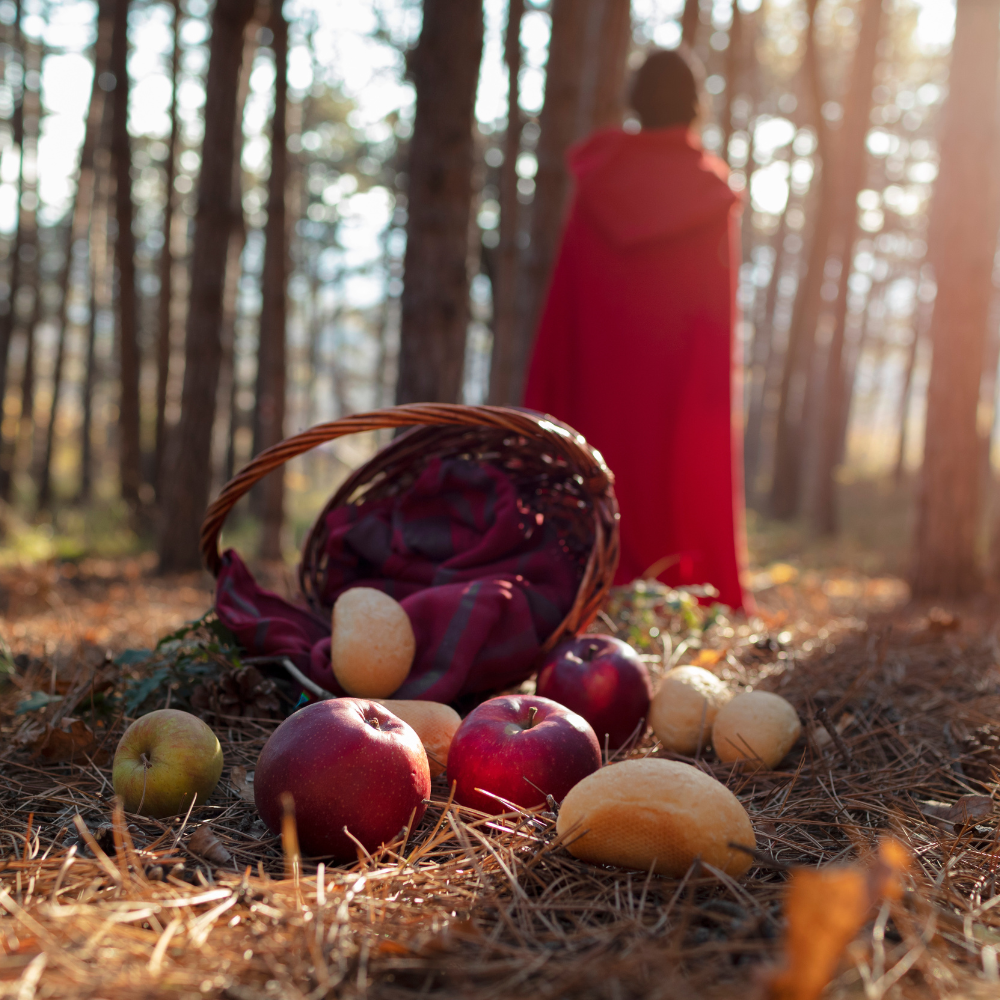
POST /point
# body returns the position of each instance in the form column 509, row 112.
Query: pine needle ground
column 900, row 708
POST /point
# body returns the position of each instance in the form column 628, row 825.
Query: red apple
column 602, row 679
column 520, row 748
column 346, row 762
column 163, row 760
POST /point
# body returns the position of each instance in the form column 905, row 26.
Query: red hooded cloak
column 635, row 349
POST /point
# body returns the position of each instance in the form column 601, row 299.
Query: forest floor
column 902, row 706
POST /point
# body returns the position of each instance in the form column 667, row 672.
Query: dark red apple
column 347, row 762
column 602, row 679
column 521, row 748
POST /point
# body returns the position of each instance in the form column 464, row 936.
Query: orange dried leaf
column 825, row 909
column 708, row 657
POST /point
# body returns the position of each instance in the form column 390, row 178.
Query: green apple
column 163, row 760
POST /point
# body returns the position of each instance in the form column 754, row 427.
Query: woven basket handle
column 524, row 422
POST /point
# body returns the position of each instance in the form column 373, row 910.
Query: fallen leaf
column 939, row 620
column 825, row 908
column 708, row 657
column 242, row 783
column 205, row 844
column 968, row 809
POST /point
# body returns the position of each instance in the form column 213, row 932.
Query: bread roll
column 684, row 708
column 658, row 814
column 372, row 647
column 433, row 722
column 756, row 727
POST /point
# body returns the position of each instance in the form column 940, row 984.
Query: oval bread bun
column 658, row 814
column 756, row 727
column 433, row 722
column 684, row 708
column 372, row 647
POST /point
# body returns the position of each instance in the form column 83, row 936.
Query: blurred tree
column 189, row 456
column 238, row 233
column 76, row 230
column 505, row 260
column 689, row 23
column 850, row 174
column 584, row 78
column 964, row 241
column 8, row 318
column 435, row 303
column 127, row 308
column 269, row 412
column 166, row 297
column 786, row 484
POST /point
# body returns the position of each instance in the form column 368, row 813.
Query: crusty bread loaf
column 756, row 727
column 658, row 814
column 372, row 648
column 433, row 722
column 684, row 708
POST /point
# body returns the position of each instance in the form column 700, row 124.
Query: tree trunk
column 505, row 268
column 189, row 459
column 127, row 310
column 786, row 482
column 167, row 266
column 269, row 413
column 8, row 319
column 559, row 128
column 79, row 218
column 850, row 175
column 963, row 244
column 689, row 23
column 228, row 375
column 435, row 303
column 602, row 96
column 734, row 70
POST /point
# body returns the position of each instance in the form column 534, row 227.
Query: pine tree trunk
column 505, row 268
column 80, row 214
column 127, row 306
column 689, row 23
column 787, row 479
column 189, row 454
column 163, row 311
column 559, row 128
column 435, row 301
column 963, row 242
column 8, row 319
column 269, row 413
column 850, row 175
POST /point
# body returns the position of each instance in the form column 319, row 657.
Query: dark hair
column 665, row 88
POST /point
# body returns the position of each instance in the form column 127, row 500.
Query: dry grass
column 475, row 906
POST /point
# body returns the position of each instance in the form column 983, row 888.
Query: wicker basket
column 554, row 470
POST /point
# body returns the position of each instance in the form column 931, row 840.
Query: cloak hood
column 649, row 185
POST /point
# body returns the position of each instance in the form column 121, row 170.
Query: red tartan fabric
column 635, row 349
column 483, row 579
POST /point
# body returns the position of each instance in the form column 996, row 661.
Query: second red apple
column 602, row 679
column 520, row 749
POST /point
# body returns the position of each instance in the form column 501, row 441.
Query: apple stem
column 588, row 653
column 532, row 712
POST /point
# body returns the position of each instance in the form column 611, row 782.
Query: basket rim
column 598, row 481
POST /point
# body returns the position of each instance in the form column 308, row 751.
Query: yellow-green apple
column 347, row 763
column 602, row 679
column 520, row 748
column 164, row 759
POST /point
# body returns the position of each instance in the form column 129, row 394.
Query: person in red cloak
column 635, row 346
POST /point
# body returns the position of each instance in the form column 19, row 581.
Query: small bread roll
column 658, row 814
column 372, row 647
column 684, row 708
column 756, row 727
column 433, row 722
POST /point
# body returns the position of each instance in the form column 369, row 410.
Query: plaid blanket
column 484, row 579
